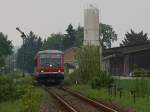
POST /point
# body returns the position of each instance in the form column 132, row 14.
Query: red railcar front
column 49, row 66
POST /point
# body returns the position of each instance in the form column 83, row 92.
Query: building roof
column 49, row 51
column 126, row 49
column 69, row 49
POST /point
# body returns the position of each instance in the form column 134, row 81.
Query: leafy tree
column 5, row 48
column 74, row 37
column 79, row 36
column 69, row 39
column 58, row 41
column 27, row 52
column 55, row 41
column 134, row 38
column 88, row 62
column 108, row 35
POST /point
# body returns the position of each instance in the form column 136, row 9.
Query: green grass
column 127, row 84
column 15, row 106
column 16, row 92
column 44, row 97
column 141, row 105
column 10, row 106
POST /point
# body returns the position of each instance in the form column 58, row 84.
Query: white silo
column 91, row 29
column 91, row 26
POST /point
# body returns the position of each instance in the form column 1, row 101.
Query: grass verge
column 16, row 106
column 141, row 105
column 10, row 106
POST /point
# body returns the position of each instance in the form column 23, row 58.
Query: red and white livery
column 49, row 66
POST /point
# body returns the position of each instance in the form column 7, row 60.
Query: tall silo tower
column 91, row 26
column 91, row 29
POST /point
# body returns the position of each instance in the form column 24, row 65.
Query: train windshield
column 50, row 60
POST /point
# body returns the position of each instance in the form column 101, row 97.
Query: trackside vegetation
column 17, row 94
column 141, row 104
column 91, row 81
column 89, row 70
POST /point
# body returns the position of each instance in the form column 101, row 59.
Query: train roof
column 50, row 51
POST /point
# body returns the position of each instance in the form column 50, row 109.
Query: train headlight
column 42, row 71
column 59, row 71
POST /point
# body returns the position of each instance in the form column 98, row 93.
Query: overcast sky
column 51, row 16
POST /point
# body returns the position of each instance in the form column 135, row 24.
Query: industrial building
column 120, row 60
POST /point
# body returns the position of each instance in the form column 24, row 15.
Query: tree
column 75, row 37
column 5, row 48
column 134, row 38
column 107, row 35
column 58, row 41
column 55, row 41
column 69, row 39
column 89, row 62
column 79, row 34
column 32, row 45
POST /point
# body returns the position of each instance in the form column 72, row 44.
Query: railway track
column 74, row 102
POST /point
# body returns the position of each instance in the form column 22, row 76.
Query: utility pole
column 23, row 36
column 100, row 50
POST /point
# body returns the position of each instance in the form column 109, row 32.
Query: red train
column 49, row 66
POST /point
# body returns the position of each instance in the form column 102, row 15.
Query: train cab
column 49, row 66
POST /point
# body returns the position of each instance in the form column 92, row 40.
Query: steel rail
column 63, row 102
column 92, row 102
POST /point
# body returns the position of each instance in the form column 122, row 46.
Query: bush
column 89, row 72
column 67, row 80
column 72, row 78
column 12, row 86
column 16, row 87
column 88, row 60
column 102, row 80
column 140, row 73
column 30, row 99
column 141, row 82
column 96, row 83
column 7, row 88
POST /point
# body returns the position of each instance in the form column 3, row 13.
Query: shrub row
column 15, row 87
column 103, row 79
column 89, row 69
